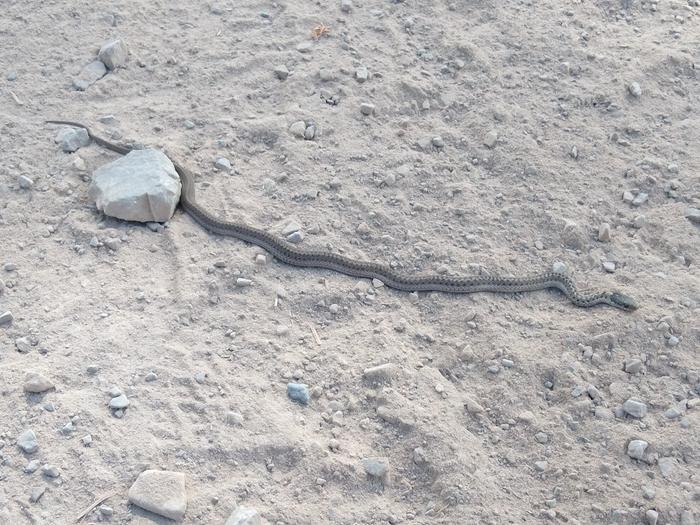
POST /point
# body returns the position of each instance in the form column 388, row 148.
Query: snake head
column 622, row 301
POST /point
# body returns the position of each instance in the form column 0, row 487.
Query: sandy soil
column 498, row 409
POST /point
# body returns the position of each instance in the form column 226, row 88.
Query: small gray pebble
column 234, row 419
column 380, row 374
column 295, row 237
column 6, row 318
column 119, row 402
column 27, row 442
column 490, row 139
column 361, row 74
column 298, row 129
column 326, row 74
column 609, row 266
column 652, row 517
column 376, row 467
column 640, row 199
column 106, row 511
column 73, row 139
column 636, row 448
column 635, row 408
column 35, row 382
column 223, row 164
column 604, row 413
column 25, row 182
column 281, row 72
column 635, row 89
column 50, row 471
column 11, row 76
column 559, row 267
column 305, row 47
column 633, row 366
column 36, row 493
column 310, row 132
column 115, row 391
column 23, row 345
column 150, row 376
column 673, row 413
column 32, row 466
column 298, row 392
column 693, row 215
column 666, row 466
column 366, row 108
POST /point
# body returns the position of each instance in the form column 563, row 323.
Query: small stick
column 316, row 337
column 16, row 99
column 92, row 507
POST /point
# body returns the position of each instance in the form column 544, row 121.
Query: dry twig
column 94, row 504
column 319, row 30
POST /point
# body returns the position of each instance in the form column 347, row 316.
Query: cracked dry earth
column 450, row 136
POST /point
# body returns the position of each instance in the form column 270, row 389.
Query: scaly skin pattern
column 309, row 258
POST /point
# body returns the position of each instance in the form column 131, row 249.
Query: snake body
column 311, row 258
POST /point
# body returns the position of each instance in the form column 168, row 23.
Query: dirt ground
column 504, row 137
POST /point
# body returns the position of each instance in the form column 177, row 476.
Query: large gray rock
column 244, row 516
column 160, row 491
column 113, row 54
column 142, row 186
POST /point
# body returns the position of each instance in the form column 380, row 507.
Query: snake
column 294, row 255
